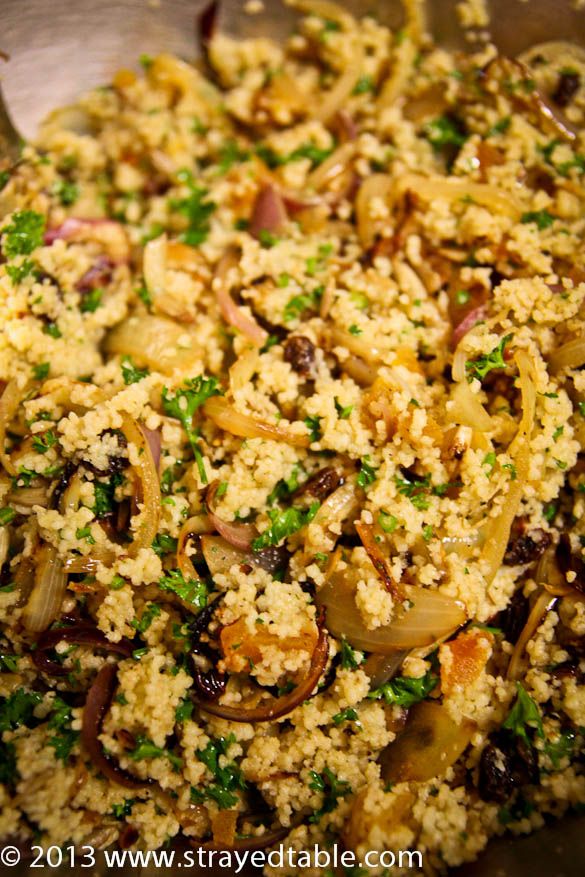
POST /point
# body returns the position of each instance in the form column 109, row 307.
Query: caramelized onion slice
column 238, row 535
column 280, row 706
column 498, row 531
column 226, row 417
column 569, row 355
column 145, row 525
column 430, row 743
column 99, row 698
column 366, row 534
column 454, row 189
column 335, row 99
column 11, row 399
column 430, row 617
column 232, row 314
column 195, row 526
column 79, row 635
column 153, row 341
column 48, row 592
column 543, row 604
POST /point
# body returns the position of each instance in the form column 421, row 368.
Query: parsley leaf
column 192, row 591
column 17, row 709
column 332, row 789
column 145, row 748
column 7, row 515
column 313, row 425
column 367, row 473
column 348, row 656
column 24, row 234
column 541, row 218
column 404, row 690
column 66, row 191
column 151, row 612
column 283, row 523
column 41, row 443
column 227, row 775
column 479, row 368
column 523, row 715
column 445, row 131
column 65, row 739
column 416, row 490
column 132, row 374
column 164, row 544
column 196, row 209
column 183, row 405
column 18, row 273
column 91, row 301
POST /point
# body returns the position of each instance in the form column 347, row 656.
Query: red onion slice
column 99, row 698
column 79, row 635
column 269, row 213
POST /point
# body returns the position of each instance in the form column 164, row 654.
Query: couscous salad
column 292, row 424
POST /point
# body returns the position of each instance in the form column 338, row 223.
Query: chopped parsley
column 227, row 776
column 18, row 273
column 103, row 492
column 184, row 403
column 331, row 788
column 299, row 304
column 231, row 153
column 349, row 661
column 52, row 329
column 416, row 489
column 367, row 473
column 313, row 424
column 196, row 209
column 164, row 544
column 145, row 748
column 445, row 131
column 184, row 710
column 283, row 523
column 524, row 715
column 541, row 218
column 192, row 591
column 346, row 715
column 355, row 330
column 151, row 612
column 41, row 443
column 85, row 533
column 342, row 411
column 405, row 690
column 66, row 191
column 24, row 233
column 315, row 154
column 9, row 662
column 480, row 367
column 64, row 739
column 364, row 85
column 91, row 301
column 130, row 373
column 7, row 515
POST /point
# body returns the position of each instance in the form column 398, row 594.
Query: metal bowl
column 58, row 49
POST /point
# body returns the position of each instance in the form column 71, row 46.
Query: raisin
column 527, row 548
column 321, row 484
column 567, row 87
column 300, row 353
column 512, row 620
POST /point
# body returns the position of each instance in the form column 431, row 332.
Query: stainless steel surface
column 59, row 48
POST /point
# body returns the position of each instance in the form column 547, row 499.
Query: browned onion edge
column 99, row 698
column 281, row 706
column 79, row 634
column 238, row 535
